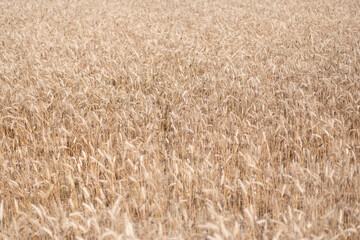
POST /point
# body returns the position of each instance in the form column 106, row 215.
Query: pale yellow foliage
column 170, row 119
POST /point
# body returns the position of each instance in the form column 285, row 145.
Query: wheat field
column 222, row 119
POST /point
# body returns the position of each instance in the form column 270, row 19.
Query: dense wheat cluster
column 180, row 119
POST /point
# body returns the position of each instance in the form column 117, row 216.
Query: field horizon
column 185, row 119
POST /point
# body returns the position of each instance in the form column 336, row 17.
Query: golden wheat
column 180, row 119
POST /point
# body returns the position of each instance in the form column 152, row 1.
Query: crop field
column 207, row 119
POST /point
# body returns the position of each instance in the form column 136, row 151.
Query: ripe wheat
column 186, row 119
